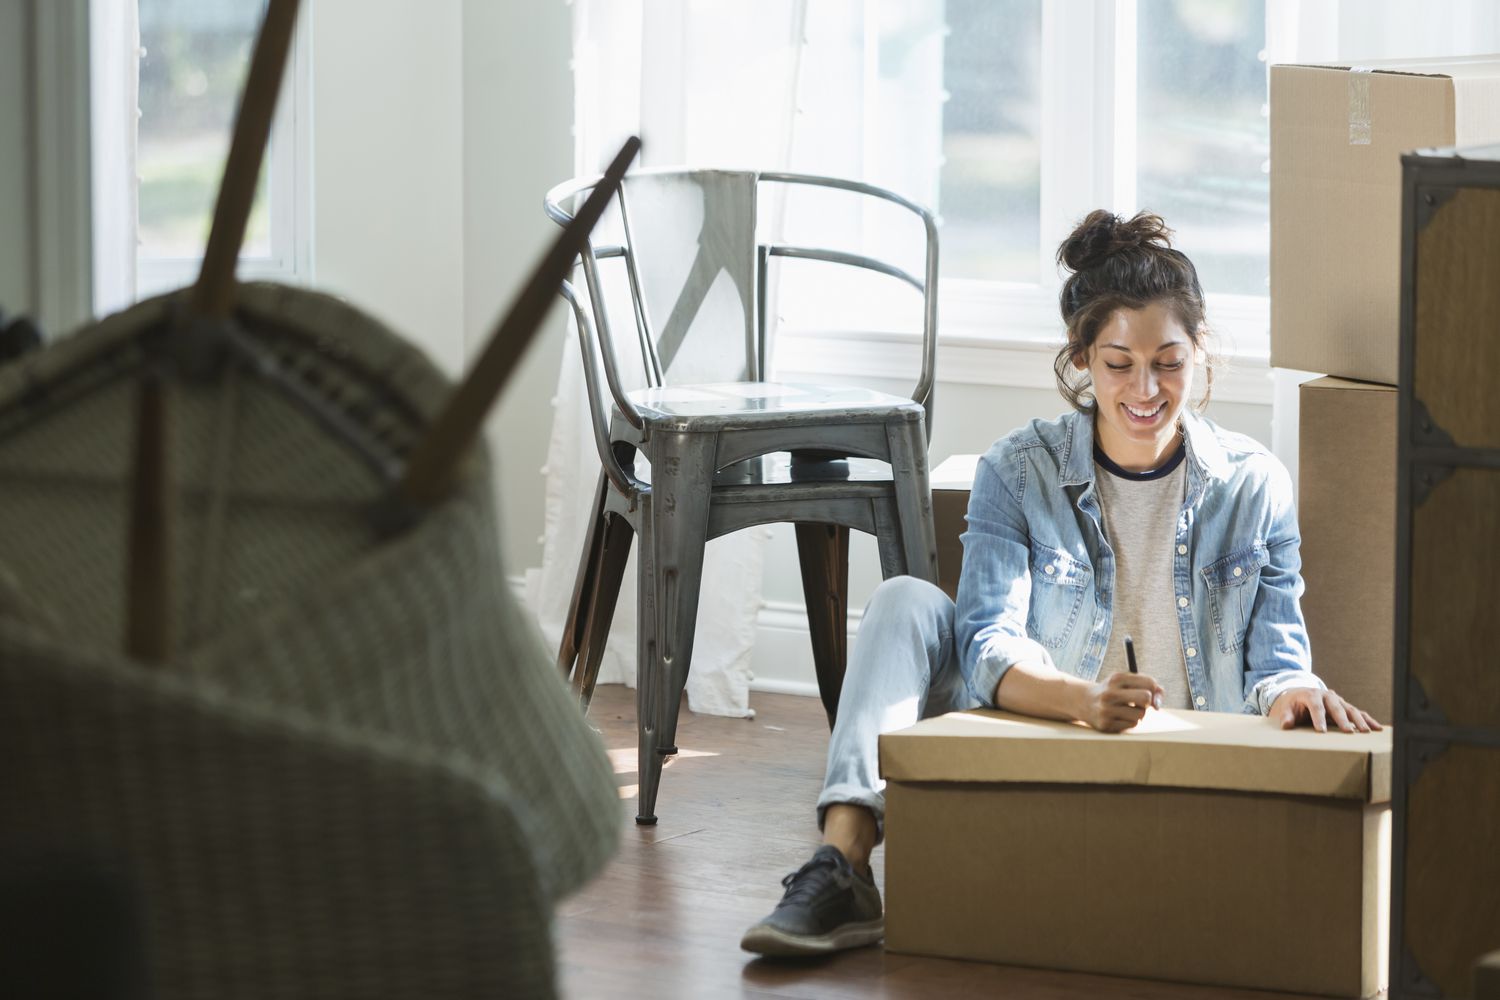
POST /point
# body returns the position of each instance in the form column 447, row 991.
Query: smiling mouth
column 1140, row 414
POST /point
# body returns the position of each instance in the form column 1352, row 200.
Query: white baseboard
column 781, row 659
column 806, row 689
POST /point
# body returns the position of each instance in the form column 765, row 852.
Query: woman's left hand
column 1320, row 707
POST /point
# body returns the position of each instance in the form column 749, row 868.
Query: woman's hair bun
column 1103, row 234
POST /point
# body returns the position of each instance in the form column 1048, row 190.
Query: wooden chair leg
column 823, row 551
column 583, row 588
column 609, row 574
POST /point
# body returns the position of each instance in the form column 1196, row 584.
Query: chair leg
column 670, row 567
column 584, row 586
column 888, row 538
column 908, row 444
column 823, row 550
column 609, row 574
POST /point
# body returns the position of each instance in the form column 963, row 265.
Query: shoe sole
column 774, row 943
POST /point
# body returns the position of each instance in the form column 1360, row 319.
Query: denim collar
column 1205, row 454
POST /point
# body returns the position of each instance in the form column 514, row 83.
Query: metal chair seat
column 737, row 403
column 731, row 450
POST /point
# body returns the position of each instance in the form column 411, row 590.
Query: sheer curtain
column 630, row 60
column 776, row 85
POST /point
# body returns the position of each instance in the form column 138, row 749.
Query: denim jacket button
column 1238, row 571
column 1191, row 652
column 1051, row 569
column 1182, row 550
column 1200, row 701
column 1182, row 602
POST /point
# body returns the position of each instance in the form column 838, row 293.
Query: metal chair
column 727, row 449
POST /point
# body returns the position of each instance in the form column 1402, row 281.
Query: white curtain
column 1355, row 30
column 765, row 86
column 115, row 56
column 630, row 62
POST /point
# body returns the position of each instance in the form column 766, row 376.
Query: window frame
column 1088, row 138
column 289, row 187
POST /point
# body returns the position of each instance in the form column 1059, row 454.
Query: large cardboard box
column 1337, row 134
column 1199, row 847
column 951, row 482
column 1346, row 467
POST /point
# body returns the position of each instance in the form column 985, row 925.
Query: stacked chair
column 728, row 447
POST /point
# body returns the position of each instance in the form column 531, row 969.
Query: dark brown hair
column 1122, row 264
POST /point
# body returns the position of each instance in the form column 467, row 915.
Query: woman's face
column 1142, row 368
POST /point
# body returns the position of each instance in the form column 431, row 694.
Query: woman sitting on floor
column 1133, row 515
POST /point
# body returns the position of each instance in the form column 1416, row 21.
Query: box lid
column 1475, row 83
column 1456, row 67
column 1168, row 749
column 1335, row 384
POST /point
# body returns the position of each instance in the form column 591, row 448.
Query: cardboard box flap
column 1332, row 383
column 1456, row 68
column 1169, row 749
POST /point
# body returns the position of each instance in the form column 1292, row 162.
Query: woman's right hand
column 1118, row 702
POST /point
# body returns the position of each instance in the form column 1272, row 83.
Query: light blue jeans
column 903, row 667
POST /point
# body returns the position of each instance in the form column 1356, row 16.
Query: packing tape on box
column 1359, row 105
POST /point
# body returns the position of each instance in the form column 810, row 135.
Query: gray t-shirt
column 1140, row 520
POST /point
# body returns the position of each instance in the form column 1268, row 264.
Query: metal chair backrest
column 697, row 281
column 692, row 268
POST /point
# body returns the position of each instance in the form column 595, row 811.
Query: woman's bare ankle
column 852, row 829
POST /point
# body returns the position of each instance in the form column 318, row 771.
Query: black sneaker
column 828, row 906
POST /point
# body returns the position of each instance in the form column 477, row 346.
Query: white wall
column 388, row 199
column 518, row 142
column 16, row 238
column 436, row 130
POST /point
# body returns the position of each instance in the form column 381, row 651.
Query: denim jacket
column 1038, row 574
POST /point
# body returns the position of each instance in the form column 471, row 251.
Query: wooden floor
column 736, row 814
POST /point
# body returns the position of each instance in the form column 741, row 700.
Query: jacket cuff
column 999, row 655
column 1265, row 693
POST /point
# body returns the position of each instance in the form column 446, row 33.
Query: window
column 1012, row 118
column 1054, row 109
column 194, row 55
column 1202, row 134
column 990, row 188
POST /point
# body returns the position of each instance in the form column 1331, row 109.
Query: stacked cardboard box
column 1337, row 135
column 951, row 482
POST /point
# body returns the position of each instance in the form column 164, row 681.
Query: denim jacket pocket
column 1232, row 585
column 1058, row 583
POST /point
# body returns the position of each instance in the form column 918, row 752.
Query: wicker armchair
column 359, row 776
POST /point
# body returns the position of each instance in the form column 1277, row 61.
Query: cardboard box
column 951, row 482
column 1346, row 510
column 1336, row 141
column 1200, row 847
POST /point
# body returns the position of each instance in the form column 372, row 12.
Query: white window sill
column 989, row 334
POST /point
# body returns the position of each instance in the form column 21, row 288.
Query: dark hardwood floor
column 736, row 814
